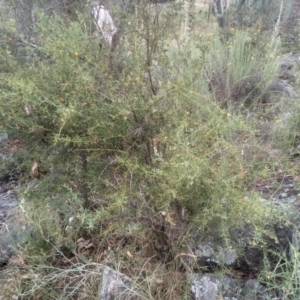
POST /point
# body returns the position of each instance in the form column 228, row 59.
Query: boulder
column 245, row 250
column 13, row 231
column 115, row 285
column 214, row 287
column 282, row 88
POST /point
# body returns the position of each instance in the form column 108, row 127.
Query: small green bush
column 137, row 142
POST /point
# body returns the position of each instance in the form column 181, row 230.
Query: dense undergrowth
column 140, row 147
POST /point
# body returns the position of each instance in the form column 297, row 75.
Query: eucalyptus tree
column 218, row 7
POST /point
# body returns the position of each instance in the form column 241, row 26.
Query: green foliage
column 284, row 277
column 128, row 135
column 241, row 66
column 96, row 126
column 271, row 10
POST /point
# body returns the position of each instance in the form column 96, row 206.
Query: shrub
column 241, row 66
column 134, row 145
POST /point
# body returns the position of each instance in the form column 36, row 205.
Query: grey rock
column 204, row 251
column 213, row 287
column 205, row 288
column 286, row 64
column 254, row 290
column 244, row 251
column 242, row 238
column 6, row 155
column 13, row 231
column 286, row 69
column 226, row 256
column 282, row 88
column 210, row 255
column 116, row 286
column 3, row 136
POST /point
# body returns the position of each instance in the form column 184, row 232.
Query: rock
column 286, row 64
column 252, row 289
column 205, row 288
column 3, row 137
column 4, row 155
column 209, row 257
column 286, row 75
column 286, row 67
column 245, row 253
column 226, row 256
column 115, row 285
column 214, row 287
column 250, row 256
column 13, row 231
column 282, row 88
